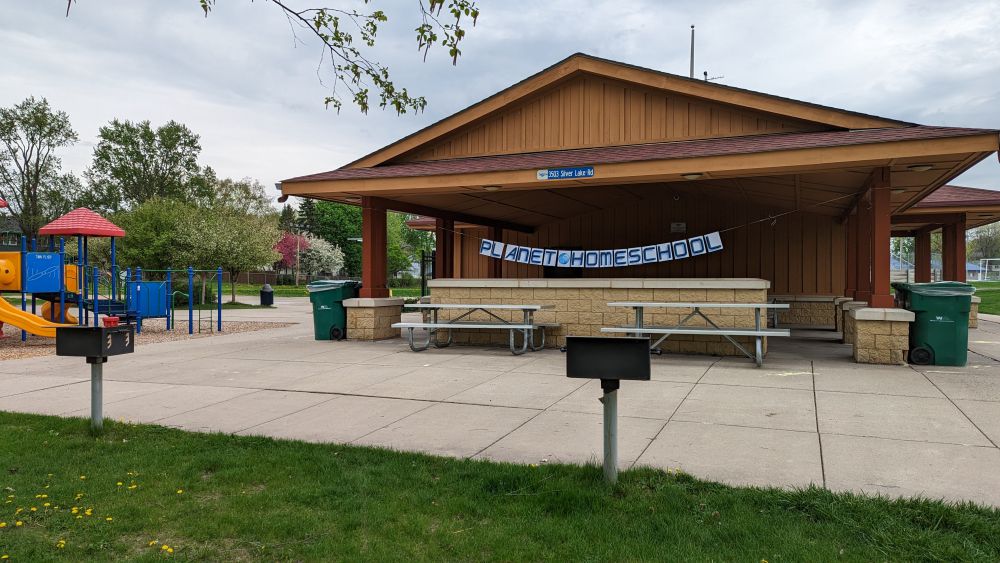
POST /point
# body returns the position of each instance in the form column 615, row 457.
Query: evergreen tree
column 288, row 219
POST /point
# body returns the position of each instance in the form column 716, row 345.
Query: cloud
column 240, row 80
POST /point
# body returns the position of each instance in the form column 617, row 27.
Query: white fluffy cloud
column 239, row 80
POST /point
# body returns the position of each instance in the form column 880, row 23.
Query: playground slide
column 26, row 321
column 50, row 312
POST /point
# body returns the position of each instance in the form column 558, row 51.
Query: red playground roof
column 82, row 222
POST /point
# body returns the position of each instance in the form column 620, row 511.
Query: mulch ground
column 153, row 331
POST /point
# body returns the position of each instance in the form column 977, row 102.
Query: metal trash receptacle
column 939, row 334
column 267, row 296
column 329, row 316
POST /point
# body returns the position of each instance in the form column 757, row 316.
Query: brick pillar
column 374, row 257
column 495, row 265
column 444, row 258
column 881, row 238
column 922, row 256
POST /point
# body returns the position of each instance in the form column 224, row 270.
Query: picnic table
column 758, row 332
column 526, row 327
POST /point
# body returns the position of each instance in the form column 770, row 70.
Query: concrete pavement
column 810, row 416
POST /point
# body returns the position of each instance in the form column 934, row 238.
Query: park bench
column 527, row 327
column 758, row 333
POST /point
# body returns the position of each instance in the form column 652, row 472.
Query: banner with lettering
column 616, row 258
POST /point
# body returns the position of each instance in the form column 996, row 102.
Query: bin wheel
column 921, row 356
column 336, row 333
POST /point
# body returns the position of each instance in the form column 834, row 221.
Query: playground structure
column 79, row 287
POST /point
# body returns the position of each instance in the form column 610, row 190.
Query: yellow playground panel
column 10, row 271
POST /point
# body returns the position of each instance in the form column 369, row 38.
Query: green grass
column 254, row 498
column 404, row 292
column 989, row 292
column 279, row 290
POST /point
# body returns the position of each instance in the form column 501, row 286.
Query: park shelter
column 804, row 196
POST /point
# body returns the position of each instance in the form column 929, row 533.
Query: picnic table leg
column 524, row 345
column 437, row 343
column 759, row 344
column 409, row 337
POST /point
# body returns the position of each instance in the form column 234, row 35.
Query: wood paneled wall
column 801, row 253
column 591, row 111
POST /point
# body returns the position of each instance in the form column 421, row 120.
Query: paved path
column 809, row 416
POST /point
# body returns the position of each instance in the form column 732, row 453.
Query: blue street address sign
column 565, row 173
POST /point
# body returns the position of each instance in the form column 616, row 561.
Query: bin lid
column 938, row 289
column 327, row 285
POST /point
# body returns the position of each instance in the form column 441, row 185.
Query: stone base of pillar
column 372, row 318
column 881, row 336
column 974, row 312
column 846, row 326
column 838, row 313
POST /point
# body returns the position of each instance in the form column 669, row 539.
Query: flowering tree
column 321, row 256
column 290, row 247
column 235, row 241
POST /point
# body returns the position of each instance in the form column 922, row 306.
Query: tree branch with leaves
column 348, row 37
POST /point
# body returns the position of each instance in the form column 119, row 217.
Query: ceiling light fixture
column 693, row 176
column 491, row 188
column 919, row 167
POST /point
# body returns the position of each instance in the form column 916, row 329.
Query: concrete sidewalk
column 809, row 416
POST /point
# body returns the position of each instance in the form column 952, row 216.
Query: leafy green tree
column 337, row 224
column 308, row 218
column 30, row 132
column 288, row 219
column 238, row 242
column 243, row 196
column 158, row 234
column 133, row 163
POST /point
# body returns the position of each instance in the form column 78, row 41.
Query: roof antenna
column 691, row 75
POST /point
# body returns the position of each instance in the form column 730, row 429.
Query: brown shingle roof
column 651, row 151
column 957, row 196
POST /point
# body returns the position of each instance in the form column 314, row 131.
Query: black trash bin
column 267, row 296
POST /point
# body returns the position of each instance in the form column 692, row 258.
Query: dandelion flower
column 109, row 518
column 180, row 491
column 153, row 542
column 4, row 556
column 34, row 509
column 164, row 547
column 61, row 544
column 48, row 504
column 3, row 524
column 18, row 524
column 170, row 550
column 89, row 512
column 119, row 483
column 130, row 487
column 83, row 477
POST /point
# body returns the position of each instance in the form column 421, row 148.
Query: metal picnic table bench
column 527, row 327
column 758, row 332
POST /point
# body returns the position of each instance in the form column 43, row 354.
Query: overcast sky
column 239, row 80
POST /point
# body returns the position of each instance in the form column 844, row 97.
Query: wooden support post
column 922, row 256
column 863, row 278
column 953, row 251
column 444, row 258
column 881, row 217
column 851, row 271
column 374, row 256
column 496, row 265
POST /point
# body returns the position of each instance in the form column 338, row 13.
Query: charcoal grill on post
column 96, row 343
column 610, row 360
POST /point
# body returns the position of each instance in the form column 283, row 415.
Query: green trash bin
column 329, row 316
column 940, row 331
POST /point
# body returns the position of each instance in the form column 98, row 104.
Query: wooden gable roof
column 584, row 101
